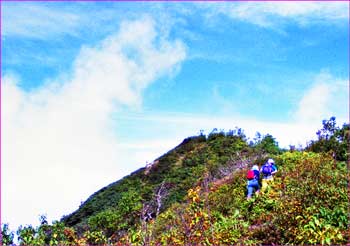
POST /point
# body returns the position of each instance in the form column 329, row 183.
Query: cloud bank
column 59, row 142
column 327, row 96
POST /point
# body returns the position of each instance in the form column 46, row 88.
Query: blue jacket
column 274, row 168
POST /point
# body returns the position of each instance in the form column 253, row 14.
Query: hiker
column 253, row 177
column 267, row 171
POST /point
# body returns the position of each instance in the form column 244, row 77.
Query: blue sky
column 93, row 91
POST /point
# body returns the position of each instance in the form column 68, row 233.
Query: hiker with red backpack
column 267, row 171
column 253, row 177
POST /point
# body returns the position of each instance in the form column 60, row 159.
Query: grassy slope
column 143, row 181
column 178, row 170
column 308, row 203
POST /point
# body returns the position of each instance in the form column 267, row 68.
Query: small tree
column 267, row 144
column 6, row 235
column 333, row 139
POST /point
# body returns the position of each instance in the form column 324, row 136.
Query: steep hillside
column 151, row 190
column 196, row 195
column 307, row 204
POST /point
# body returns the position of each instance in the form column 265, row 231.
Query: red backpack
column 250, row 174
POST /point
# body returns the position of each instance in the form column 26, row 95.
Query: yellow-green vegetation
column 307, row 204
column 196, row 195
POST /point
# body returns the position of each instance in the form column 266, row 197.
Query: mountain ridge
column 196, row 194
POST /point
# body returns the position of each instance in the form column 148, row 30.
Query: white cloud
column 37, row 21
column 265, row 13
column 59, row 144
column 327, row 96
